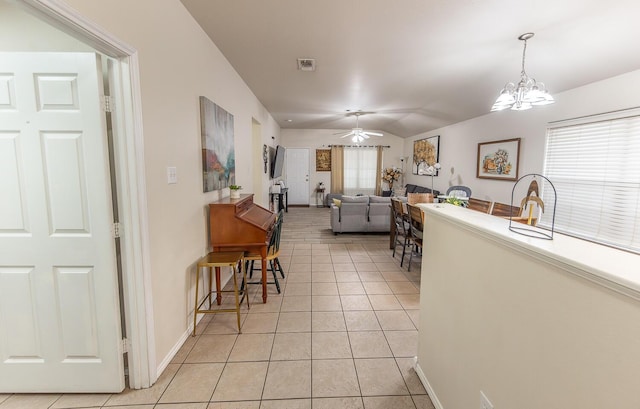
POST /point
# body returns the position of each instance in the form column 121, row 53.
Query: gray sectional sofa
column 360, row 214
column 410, row 188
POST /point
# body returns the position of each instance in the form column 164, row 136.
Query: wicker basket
column 413, row 198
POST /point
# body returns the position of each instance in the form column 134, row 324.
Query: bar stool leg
column 219, row 294
column 246, row 289
column 235, row 291
column 210, row 269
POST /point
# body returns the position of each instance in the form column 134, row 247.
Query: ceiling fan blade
column 347, row 134
column 372, row 133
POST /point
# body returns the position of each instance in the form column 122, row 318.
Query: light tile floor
column 342, row 334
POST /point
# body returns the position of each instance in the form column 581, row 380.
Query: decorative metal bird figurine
column 533, row 188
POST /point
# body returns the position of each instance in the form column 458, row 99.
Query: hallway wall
column 178, row 63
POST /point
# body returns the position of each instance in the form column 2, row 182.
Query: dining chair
column 416, row 229
column 273, row 252
column 459, row 191
column 402, row 234
column 479, row 205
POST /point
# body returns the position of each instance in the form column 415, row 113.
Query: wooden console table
column 283, row 199
column 320, row 195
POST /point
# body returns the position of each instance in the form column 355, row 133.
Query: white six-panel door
column 59, row 312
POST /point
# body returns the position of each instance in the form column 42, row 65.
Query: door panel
column 12, row 217
column 16, row 294
column 59, row 308
column 65, row 182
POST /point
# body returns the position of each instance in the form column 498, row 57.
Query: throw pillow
column 337, row 202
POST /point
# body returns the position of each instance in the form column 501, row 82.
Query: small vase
column 235, row 194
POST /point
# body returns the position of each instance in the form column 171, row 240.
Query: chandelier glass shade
column 358, row 134
column 527, row 93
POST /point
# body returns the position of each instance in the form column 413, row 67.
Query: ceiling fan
column 358, row 134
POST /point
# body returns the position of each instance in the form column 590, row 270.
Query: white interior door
column 59, row 312
column 297, row 171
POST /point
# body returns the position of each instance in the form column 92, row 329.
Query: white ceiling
column 417, row 64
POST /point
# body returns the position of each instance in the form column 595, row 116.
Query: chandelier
column 527, row 93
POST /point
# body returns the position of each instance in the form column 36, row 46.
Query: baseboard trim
column 167, row 359
column 298, row 205
column 427, row 386
column 176, row 347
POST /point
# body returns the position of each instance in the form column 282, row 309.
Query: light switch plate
column 172, row 175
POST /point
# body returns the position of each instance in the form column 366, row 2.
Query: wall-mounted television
column 278, row 162
column 272, row 156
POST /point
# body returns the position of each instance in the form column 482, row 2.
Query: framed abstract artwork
column 498, row 159
column 426, row 152
column 218, row 155
column 323, row 160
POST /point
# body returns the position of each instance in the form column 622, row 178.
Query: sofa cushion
column 355, row 199
column 411, row 188
column 353, row 217
column 379, row 217
column 422, row 189
column 379, row 199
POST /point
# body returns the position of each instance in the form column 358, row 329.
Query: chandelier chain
column 525, row 94
column 524, row 53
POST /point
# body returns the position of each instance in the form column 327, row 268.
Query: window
column 595, row 168
column 360, row 171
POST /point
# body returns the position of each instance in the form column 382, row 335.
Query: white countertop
column 610, row 267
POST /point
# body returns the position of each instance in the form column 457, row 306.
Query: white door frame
column 130, row 177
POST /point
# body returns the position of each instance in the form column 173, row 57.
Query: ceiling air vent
column 306, row 64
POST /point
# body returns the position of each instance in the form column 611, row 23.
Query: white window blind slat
column 360, row 170
column 595, row 168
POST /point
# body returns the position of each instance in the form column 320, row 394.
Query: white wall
column 322, row 138
column 459, row 142
column 178, row 63
column 20, row 31
column 517, row 319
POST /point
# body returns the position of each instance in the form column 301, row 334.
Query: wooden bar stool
column 216, row 260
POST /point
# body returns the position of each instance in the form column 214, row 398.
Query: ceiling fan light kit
column 527, row 93
column 358, row 134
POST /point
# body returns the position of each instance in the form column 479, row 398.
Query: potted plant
column 456, row 202
column 235, row 191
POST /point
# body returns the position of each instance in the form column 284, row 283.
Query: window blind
column 595, row 168
column 360, row 170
